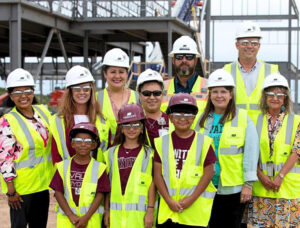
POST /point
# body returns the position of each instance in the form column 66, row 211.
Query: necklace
column 27, row 117
column 151, row 124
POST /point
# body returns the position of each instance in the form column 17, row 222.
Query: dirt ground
column 4, row 211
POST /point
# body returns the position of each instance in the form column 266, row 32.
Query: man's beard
column 184, row 72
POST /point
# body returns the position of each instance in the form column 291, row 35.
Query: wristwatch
column 281, row 175
column 11, row 194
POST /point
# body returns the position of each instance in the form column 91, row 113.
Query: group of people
column 186, row 152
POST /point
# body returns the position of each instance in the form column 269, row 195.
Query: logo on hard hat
column 129, row 115
column 186, row 100
column 184, row 47
column 84, row 74
column 121, row 58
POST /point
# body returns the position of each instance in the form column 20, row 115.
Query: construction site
column 48, row 37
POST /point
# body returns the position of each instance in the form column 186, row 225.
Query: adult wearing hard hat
column 115, row 70
column 184, row 58
column 78, row 105
column 25, row 156
column 150, row 87
column 248, row 72
column 276, row 196
column 236, row 147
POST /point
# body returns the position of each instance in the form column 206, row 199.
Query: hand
column 277, row 183
column 15, row 201
column 149, row 218
column 266, row 181
column 186, row 202
column 82, row 222
column 174, row 206
column 106, row 218
column 73, row 218
column 246, row 194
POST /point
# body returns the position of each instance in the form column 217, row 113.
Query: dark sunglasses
column 155, row 93
column 187, row 56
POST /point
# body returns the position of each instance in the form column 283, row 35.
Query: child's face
column 132, row 130
column 83, row 143
column 182, row 121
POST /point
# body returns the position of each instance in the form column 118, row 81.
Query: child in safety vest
column 129, row 164
column 183, row 169
column 80, row 182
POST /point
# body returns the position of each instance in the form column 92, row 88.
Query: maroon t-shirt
column 77, row 175
column 126, row 159
column 153, row 127
column 181, row 147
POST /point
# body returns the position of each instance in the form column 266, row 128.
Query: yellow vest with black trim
column 128, row 210
column 231, row 149
column 199, row 92
column 198, row 214
column 250, row 103
column 34, row 167
column 107, row 110
column 88, row 189
column 57, row 125
column 283, row 144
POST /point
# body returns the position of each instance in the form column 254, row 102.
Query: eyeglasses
column 187, row 116
column 81, row 140
column 19, row 93
column 156, row 93
column 254, row 43
column 187, row 56
column 134, row 125
column 79, row 88
column 278, row 95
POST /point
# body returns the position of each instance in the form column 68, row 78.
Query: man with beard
column 247, row 71
column 184, row 58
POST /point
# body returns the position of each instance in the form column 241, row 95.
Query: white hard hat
column 275, row 79
column 77, row 75
column 116, row 57
column 184, row 45
column 220, row 77
column 19, row 77
column 149, row 75
column 248, row 29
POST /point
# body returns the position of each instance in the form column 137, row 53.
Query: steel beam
column 254, row 17
column 15, row 37
column 170, row 42
column 207, row 29
column 86, row 49
column 63, row 50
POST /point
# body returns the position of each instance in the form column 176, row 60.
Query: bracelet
column 11, row 194
column 247, row 185
column 150, row 207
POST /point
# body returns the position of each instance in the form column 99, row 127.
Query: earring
column 267, row 106
column 282, row 108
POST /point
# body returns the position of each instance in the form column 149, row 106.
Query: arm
column 162, row 188
column 65, row 207
column 54, row 152
column 14, row 201
column 264, row 179
column 149, row 217
column 202, row 185
column 106, row 210
column 83, row 221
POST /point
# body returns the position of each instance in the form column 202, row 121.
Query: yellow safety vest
column 283, row 144
column 231, row 149
column 88, row 189
column 250, row 103
column 107, row 110
column 34, row 166
column 128, row 210
column 57, row 125
column 199, row 91
column 198, row 214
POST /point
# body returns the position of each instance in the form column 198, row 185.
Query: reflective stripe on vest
column 32, row 160
column 61, row 133
column 41, row 113
column 141, row 205
column 166, row 170
column 94, row 180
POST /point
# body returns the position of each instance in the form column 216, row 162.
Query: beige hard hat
column 184, row 45
column 19, row 77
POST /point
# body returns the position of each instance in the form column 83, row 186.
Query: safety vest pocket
column 88, row 191
column 235, row 136
column 143, row 183
column 194, row 175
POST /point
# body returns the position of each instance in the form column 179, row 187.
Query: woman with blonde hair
column 78, row 105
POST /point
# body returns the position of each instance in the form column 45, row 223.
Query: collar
column 244, row 71
column 189, row 82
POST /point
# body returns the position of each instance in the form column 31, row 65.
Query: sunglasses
column 187, row 56
column 278, row 95
column 79, row 88
column 134, row 125
column 187, row 116
column 19, row 93
column 253, row 43
column 81, row 140
column 147, row 93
